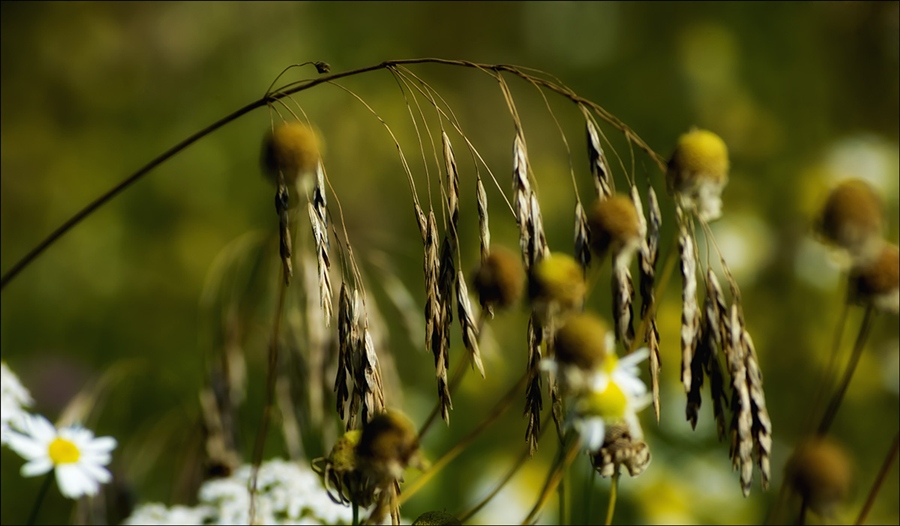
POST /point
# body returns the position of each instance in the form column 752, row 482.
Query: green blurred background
column 804, row 94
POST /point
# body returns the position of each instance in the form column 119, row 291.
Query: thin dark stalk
column 804, row 507
column 588, row 489
column 838, row 396
column 259, row 443
column 553, row 480
column 270, row 98
column 45, row 485
column 879, row 480
column 355, row 513
column 613, row 494
column 828, row 375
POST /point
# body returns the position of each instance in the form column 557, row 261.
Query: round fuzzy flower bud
column 500, row 279
column 698, row 172
column 614, row 225
column 581, row 342
column 389, row 443
column 556, row 285
column 291, row 148
column 852, row 219
column 878, row 281
column 436, row 518
column 820, row 472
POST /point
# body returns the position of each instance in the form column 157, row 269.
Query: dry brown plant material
column 647, row 258
column 852, row 219
column 484, row 229
column 467, row 323
column 318, row 220
column 582, row 237
column 603, row 180
column 690, row 316
column 821, row 473
column 533, row 399
column 878, row 282
column 499, row 280
column 621, row 449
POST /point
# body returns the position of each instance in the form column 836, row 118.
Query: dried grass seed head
column 500, row 279
column 293, row 149
column 852, row 219
column 614, row 225
column 581, row 342
column 878, row 281
column 820, row 472
column 389, row 443
column 698, row 172
column 556, row 285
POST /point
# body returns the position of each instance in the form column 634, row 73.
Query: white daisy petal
column 36, row 467
column 73, row 482
column 25, row 446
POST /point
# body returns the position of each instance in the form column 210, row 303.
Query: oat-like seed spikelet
column 623, row 292
column 373, row 401
column 699, row 359
column 452, row 190
column 599, row 167
column 715, row 310
column 533, row 399
column 318, row 218
column 522, row 200
column 690, row 310
column 582, row 237
column 282, row 200
column 469, row 329
column 742, row 418
column 445, row 298
column 647, row 257
column 483, row 226
column 346, row 328
column 762, row 424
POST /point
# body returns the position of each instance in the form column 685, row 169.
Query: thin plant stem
column 588, row 489
column 553, row 480
column 838, row 397
column 270, row 98
column 879, row 480
column 355, row 506
column 502, row 405
column 804, row 507
column 613, row 494
column 272, row 367
column 563, row 519
column 828, row 375
column 45, row 485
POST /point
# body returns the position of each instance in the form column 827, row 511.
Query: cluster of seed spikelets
column 697, row 173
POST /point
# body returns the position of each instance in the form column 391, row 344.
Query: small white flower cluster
column 287, row 493
column 77, row 458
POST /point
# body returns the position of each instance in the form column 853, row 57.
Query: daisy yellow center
column 611, row 403
column 609, row 363
column 63, row 451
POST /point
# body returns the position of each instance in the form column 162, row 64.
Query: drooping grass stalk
column 838, row 396
column 553, row 479
column 259, row 443
column 879, row 480
column 828, row 375
column 296, row 87
column 613, row 494
column 45, row 485
column 502, row 405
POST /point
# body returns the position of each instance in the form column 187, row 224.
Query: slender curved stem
column 613, row 494
column 879, row 480
column 45, row 485
column 553, row 480
column 290, row 90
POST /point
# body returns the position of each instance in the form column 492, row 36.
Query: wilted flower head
column 389, row 443
column 500, row 279
column 698, row 172
column 580, row 347
column 74, row 453
column 852, row 219
column 820, row 472
column 614, row 225
column 291, row 148
column 620, row 449
column 13, row 399
column 878, row 281
column 556, row 285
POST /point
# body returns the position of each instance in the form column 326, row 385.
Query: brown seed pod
column 878, row 281
column 614, row 224
column 581, row 342
column 389, row 443
column 852, row 218
column 821, row 473
column 291, row 148
column 500, row 279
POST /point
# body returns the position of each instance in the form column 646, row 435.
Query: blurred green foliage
column 803, row 93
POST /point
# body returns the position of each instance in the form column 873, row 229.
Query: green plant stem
column 297, row 87
column 355, row 513
column 838, row 397
column 502, row 405
column 553, row 479
column 879, row 480
column 563, row 519
column 45, row 485
column 613, row 494
column 588, row 489
column 827, row 379
column 259, row 443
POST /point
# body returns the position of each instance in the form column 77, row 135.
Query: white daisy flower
column 616, row 395
column 74, row 453
column 13, row 399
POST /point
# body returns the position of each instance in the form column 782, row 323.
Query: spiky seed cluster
column 500, row 279
column 614, row 225
column 620, row 449
column 556, row 285
column 293, row 149
column 339, row 472
column 698, row 172
column 852, row 218
column 581, row 342
column 878, row 281
column 389, row 443
column 821, row 473
column 436, row 518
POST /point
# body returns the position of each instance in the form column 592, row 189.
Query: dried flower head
column 389, row 443
column 581, row 342
column 614, row 225
column 500, row 279
column 852, row 219
column 878, row 281
column 293, row 149
column 620, row 449
column 436, row 518
column 556, row 285
column 820, row 472
column 698, row 172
